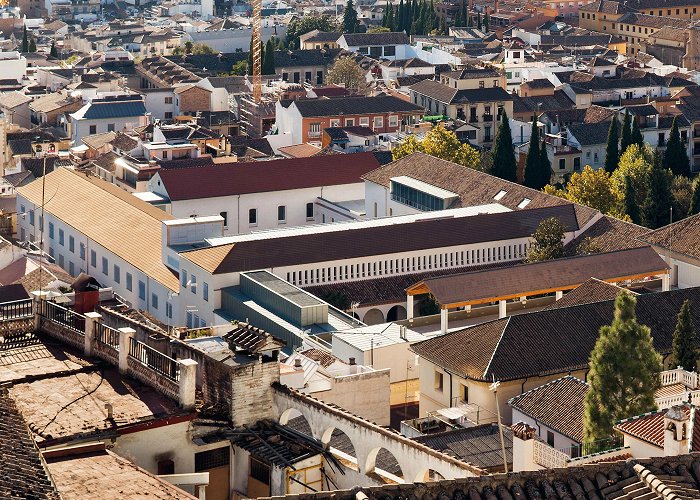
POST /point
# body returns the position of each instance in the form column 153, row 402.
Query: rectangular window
column 562, row 163
column 378, row 121
column 142, row 290
column 31, row 218
column 61, row 262
column 71, row 244
column 253, row 216
column 154, row 301
column 225, row 216
column 110, row 127
column 117, row 274
column 105, row 266
column 71, row 268
column 168, row 100
column 82, row 251
column 205, row 291
column 169, row 116
column 438, row 381
column 193, row 284
column 281, row 213
column 260, row 471
column 93, row 258
column 390, row 51
column 50, row 230
column 364, row 121
column 129, row 282
column 93, row 129
column 464, row 393
column 550, row 438
column 310, row 211
column 183, row 278
column 168, row 310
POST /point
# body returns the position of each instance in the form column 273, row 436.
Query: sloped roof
column 258, row 177
column 593, row 290
column 121, row 107
column 682, row 236
column 511, row 348
column 355, row 105
column 111, row 217
column 557, row 404
column 359, row 39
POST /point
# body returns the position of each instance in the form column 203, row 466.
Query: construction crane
column 257, row 50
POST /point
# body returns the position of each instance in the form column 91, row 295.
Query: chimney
column 523, row 447
column 352, row 362
column 297, row 363
column 676, row 423
column 402, row 332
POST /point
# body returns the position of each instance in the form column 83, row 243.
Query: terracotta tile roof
column 300, row 150
column 670, row 390
column 472, row 186
column 557, row 404
column 124, row 142
column 281, row 249
column 649, row 427
column 103, row 474
column 325, row 359
column 109, row 216
column 22, row 474
column 510, row 348
column 593, row 290
column 96, row 141
column 258, row 177
column 537, row 277
column 682, row 236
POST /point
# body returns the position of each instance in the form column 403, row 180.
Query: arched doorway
column 374, row 317
column 396, row 313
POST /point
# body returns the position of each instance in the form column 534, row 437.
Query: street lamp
column 494, row 388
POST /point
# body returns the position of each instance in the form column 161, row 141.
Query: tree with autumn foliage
column 592, row 188
column 441, row 143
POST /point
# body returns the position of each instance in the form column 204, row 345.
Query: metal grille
column 155, row 360
column 16, row 309
column 211, row 459
column 107, row 335
column 58, row 314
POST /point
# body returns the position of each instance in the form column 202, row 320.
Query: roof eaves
column 495, row 349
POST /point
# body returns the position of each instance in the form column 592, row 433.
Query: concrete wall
column 642, row 449
column 364, row 394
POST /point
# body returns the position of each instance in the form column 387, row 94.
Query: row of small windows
column 407, row 265
column 281, row 214
column 192, row 284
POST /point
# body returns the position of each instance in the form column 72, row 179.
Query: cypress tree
column 25, row 40
column 533, row 172
column 268, row 63
column 486, row 22
column 470, row 21
column 54, row 50
column 631, row 206
column 620, row 385
column 657, row 207
column 386, row 15
column 32, row 45
column 612, row 152
column 545, row 164
column 433, row 16
column 626, row 139
column 400, row 26
column 684, row 347
column 350, row 18
column 504, row 165
column 478, row 20
column 676, row 157
column 636, row 136
column 458, row 19
column 695, row 202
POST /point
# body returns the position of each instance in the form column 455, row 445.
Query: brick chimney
column 523, row 447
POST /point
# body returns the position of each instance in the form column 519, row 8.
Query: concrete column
column 125, row 336
column 468, row 308
column 443, row 320
column 409, row 306
column 665, row 282
column 93, row 319
column 502, row 311
column 188, row 382
column 38, row 298
column 558, row 294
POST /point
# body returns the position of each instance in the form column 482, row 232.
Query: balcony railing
column 314, row 133
column 157, row 361
column 592, row 447
column 488, row 118
column 59, row 314
column 16, row 310
column 107, row 335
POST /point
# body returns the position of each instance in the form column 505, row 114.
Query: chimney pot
column 297, row 363
column 352, row 361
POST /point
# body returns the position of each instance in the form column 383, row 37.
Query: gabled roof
column 590, row 134
column 593, row 290
column 682, row 236
column 511, row 348
column 119, row 107
column 13, row 99
column 650, row 427
column 557, row 404
column 258, row 177
column 355, row 105
column 109, row 216
column 363, row 240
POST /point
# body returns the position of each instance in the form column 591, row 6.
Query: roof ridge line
column 548, row 383
column 493, row 354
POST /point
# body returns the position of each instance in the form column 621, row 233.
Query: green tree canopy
column 537, row 174
column 346, row 72
column 657, row 207
column 685, row 352
column 676, row 157
column 268, row 61
column 631, row 205
column 350, row 21
column 302, row 25
column 25, row 39
column 32, row 44
column 547, row 242
column 54, row 51
column 636, row 135
column 441, row 143
column 612, row 150
column 504, row 165
column 635, row 163
column 593, row 188
column 623, row 372
column 682, row 196
column 695, row 202
column 626, row 139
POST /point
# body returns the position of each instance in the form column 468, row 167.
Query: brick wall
column 105, row 352
column 195, row 99
column 217, row 385
column 251, row 394
column 62, row 334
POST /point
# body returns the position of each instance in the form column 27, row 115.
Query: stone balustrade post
column 38, row 297
column 125, row 336
column 93, row 319
column 188, row 382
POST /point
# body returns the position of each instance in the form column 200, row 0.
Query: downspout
column 238, row 216
column 450, row 388
column 522, row 387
